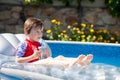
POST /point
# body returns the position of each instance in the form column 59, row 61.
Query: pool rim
column 85, row 43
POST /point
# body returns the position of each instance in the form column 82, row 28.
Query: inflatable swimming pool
column 105, row 65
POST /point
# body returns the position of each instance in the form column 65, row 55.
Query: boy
column 28, row 51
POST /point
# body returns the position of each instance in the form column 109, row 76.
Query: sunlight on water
column 94, row 71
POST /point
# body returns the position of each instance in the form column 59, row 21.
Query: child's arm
column 36, row 55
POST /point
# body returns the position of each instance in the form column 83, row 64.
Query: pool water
column 105, row 64
column 6, row 77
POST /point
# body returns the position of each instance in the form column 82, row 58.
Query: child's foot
column 80, row 58
column 86, row 61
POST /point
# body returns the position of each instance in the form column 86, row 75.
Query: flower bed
column 80, row 32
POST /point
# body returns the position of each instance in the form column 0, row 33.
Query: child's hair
column 32, row 23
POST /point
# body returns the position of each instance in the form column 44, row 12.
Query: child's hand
column 46, row 53
column 36, row 54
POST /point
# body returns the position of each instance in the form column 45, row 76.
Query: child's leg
column 66, row 62
column 60, row 57
column 60, row 61
column 66, row 58
column 44, row 61
column 52, row 62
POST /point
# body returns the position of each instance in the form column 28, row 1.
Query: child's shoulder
column 23, row 44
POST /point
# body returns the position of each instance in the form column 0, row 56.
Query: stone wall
column 13, row 14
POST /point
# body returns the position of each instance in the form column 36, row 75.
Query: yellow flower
column 83, row 25
column 58, row 22
column 83, row 40
column 92, row 30
column 27, row 1
column 100, row 37
column 82, row 32
column 105, row 41
column 92, row 25
column 89, row 36
column 48, row 31
column 61, row 34
column 70, row 39
column 65, row 35
column 64, row 31
column 112, row 38
column 105, row 31
column 94, row 37
column 53, row 20
column 68, row 26
column 77, row 29
column 74, row 28
column 117, row 42
column 82, row 36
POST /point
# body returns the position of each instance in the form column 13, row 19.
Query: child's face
column 35, row 34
